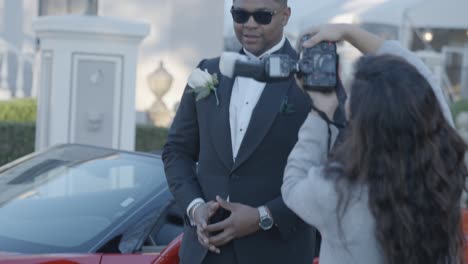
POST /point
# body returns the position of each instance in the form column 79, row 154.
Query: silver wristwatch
column 266, row 222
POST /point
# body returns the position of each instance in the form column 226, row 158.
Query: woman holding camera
column 390, row 192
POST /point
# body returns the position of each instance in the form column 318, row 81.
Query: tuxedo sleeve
column 180, row 154
column 284, row 219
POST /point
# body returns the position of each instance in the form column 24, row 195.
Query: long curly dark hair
column 401, row 147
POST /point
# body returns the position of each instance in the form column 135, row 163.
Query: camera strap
column 329, row 122
column 339, row 118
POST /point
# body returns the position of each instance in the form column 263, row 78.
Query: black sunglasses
column 261, row 17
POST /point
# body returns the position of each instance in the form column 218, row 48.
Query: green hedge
column 460, row 106
column 18, row 110
column 17, row 139
column 18, row 128
column 150, row 138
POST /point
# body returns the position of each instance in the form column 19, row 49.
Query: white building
column 182, row 33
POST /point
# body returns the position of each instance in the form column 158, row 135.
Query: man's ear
column 286, row 15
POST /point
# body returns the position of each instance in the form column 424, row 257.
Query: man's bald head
column 283, row 3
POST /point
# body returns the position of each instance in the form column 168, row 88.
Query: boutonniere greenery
column 203, row 84
column 286, row 107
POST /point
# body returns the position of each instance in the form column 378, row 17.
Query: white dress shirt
column 244, row 97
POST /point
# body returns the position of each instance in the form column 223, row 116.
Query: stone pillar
column 86, row 80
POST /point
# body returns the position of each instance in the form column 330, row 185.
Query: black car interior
column 167, row 228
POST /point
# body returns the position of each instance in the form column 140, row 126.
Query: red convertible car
column 169, row 255
column 90, row 205
column 83, row 204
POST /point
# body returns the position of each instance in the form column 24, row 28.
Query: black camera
column 317, row 67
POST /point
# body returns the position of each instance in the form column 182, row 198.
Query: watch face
column 266, row 223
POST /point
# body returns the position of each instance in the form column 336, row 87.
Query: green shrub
column 150, row 138
column 18, row 138
column 458, row 107
column 18, row 110
column 18, row 128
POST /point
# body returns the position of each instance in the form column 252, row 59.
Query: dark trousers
column 227, row 256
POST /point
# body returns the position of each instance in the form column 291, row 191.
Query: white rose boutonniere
column 202, row 84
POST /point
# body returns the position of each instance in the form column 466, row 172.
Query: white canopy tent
column 345, row 11
column 390, row 12
column 444, row 14
column 402, row 16
column 381, row 12
column 384, row 12
column 451, row 14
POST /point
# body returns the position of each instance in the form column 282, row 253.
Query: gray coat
column 313, row 197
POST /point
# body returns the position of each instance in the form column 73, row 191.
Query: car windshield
column 69, row 195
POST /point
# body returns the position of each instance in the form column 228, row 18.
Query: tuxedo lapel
column 262, row 118
column 220, row 127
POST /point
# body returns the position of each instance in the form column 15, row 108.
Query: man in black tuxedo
column 232, row 199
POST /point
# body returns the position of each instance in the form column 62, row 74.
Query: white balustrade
column 6, row 49
column 5, row 93
column 20, row 78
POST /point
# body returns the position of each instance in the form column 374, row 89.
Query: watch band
column 263, row 212
column 192, row 211
column 266, row 221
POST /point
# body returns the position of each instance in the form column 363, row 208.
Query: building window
column 66, row 7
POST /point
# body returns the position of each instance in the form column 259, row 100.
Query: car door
column 147, row 258
column 50, row 259
column 166, row 229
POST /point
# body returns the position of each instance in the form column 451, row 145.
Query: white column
column 464, row 74
column 5, row 92
column 405, row 34
column 87, row 79
column 13, row 22
column 13, row 34
column 35, row 78
column 20, row 77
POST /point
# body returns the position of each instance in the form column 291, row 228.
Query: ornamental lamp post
column 160, row 82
